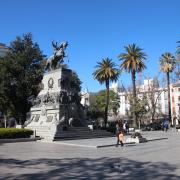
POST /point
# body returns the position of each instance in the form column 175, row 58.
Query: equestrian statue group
column 58, row 55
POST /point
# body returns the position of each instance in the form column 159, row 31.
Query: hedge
column 12, row 133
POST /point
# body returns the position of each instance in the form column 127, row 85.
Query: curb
column 115, row 145
column 18, row 140
column 157, row 139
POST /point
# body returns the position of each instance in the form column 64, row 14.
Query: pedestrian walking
column 121, row 138
column 166, row 125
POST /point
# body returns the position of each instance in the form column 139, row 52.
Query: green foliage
column 139, row 108
column 97, row 105
column 132, row 59
column 167, row 65
column 21, row 71
column 133, row 62
column 12, row 133
column 167, row 62
column 111, row 127
column 95, row 113
column 106, row 72
column 101, row 100
column 76, row 82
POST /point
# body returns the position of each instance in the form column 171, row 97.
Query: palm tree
column 106, row 72
column 167, row 65
column 133, row 63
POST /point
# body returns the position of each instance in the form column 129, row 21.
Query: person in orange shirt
column 121, row 138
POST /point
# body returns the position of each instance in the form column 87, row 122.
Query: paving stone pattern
column 159, row 160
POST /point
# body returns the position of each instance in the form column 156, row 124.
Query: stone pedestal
column 54, row 105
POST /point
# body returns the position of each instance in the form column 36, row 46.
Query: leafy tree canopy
column 99, row 102
column 21, row 71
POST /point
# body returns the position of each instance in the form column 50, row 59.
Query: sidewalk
column 110, row 141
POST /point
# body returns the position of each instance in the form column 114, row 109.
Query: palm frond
column 133, row 59
column 106, row 69
column 167, row 62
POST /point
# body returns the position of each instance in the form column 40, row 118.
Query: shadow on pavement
column 85, row 168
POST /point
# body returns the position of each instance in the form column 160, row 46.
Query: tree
column 133, row 62
column 167, row 65
column 98, row 102
column 21, row 71
column 153, row 95
column 106, row 72
column 140, row 108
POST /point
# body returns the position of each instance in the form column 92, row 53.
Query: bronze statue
column 58, row 55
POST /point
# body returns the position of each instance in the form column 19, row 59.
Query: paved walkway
column 108, row 141
column 40, row 160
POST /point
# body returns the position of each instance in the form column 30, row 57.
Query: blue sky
column 95, row 29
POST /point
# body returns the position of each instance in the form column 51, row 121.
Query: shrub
column 111, row 127
column 12, row 133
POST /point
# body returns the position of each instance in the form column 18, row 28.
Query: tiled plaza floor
column 40, row 160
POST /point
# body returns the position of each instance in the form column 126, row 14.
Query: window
column 179, row 89
column 166, row 108
column 178, row 98
column 165, row 95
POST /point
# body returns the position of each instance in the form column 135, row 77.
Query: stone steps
column 70, row 133
column 87, row 136
column 81, row 133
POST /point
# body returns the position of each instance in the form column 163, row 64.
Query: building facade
column 175, row 102
column 157, row 98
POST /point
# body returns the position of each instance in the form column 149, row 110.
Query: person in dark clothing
column 127, row 128
column 166, row 125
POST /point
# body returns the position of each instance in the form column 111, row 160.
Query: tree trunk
column 169, row 97
column 107, row 102
column 134, row 95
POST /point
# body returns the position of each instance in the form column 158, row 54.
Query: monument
column 56, row 112
column 57, row 106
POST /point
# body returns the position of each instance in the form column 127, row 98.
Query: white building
column 153, row 93
column 151, row 89
column 175, row 101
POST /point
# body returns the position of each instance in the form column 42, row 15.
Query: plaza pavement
column 159, row 159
